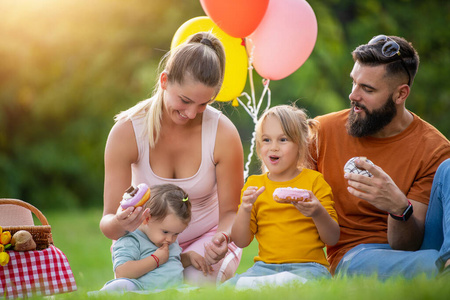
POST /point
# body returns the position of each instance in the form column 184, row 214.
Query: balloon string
column 250, row 74
column 253, row 109
column 248, row 109
column 266, row 90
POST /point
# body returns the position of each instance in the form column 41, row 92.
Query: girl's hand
column 132, row 217
column 310, row 208
column 216, row 249
column 199, row 262
column 249, row 197
column 162, row 253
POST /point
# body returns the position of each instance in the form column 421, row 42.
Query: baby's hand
column 249, row 197
column 199, row 262
column 162, row 253
column 309, row 208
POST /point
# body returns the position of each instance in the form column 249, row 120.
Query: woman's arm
column 229, row 159
column 120, row 152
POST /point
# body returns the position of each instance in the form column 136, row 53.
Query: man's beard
column 373, row 122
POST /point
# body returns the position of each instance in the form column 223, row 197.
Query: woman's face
column 184, row 102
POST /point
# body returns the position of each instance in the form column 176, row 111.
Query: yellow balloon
column 236, row 56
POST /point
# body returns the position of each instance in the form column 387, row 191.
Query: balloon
column 237, row 18
column 284, row 39
column 236, row 56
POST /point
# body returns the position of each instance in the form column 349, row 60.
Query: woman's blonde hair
column 296, row 126
column 202, row 57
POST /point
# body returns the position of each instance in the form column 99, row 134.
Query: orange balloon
column 238, row 18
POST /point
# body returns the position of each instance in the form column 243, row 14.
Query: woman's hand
column 198, row 262
column 216, row 249
column 131, row 218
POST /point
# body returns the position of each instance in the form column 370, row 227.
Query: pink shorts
column 223, row 270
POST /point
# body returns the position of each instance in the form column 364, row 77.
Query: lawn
column 78, row 235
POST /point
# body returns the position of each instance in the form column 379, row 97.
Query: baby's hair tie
column 185, row 199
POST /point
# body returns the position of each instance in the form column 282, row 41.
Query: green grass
column 78, row 235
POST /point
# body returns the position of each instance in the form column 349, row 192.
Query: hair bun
column 207, row 42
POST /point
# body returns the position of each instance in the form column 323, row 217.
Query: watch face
column 406, row 214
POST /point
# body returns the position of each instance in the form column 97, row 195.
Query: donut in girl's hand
column 289, row 194
column 350, row 166
column 135, row 196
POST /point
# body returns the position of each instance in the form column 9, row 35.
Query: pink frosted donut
column 288, row 194
column 135, row 196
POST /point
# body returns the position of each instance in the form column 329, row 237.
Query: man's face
column 360, row 126
column 372, row 104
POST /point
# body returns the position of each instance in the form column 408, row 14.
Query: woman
column 176, row 137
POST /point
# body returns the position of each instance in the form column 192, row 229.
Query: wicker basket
column 42, row 234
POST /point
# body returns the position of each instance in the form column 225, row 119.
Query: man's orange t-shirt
column 409, row 158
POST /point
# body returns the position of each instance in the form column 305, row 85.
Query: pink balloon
column 284, row 39
column 237, row 18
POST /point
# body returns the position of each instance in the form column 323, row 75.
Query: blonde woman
column 176, row 137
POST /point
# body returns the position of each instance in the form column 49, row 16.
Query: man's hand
column 379, row 190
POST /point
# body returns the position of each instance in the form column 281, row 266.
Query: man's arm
column 408, row 235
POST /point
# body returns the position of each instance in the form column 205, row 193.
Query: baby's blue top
column 135, row 246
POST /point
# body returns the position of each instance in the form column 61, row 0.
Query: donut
column 135, row 196
column 289, row 194
column 350, row 166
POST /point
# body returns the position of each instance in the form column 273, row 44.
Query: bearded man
column 385, row 227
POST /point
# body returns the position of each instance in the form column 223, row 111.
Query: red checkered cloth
column 44, row 272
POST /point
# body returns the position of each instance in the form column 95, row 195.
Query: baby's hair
column 166, row 199
column 296, row 126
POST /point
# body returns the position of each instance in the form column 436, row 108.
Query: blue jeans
column 381, row 259
column 306, row 270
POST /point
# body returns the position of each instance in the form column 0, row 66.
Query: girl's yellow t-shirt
column 284, row 234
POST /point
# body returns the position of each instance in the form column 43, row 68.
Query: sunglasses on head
column 389, row 49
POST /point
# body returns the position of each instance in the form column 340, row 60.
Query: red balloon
column 238, row 18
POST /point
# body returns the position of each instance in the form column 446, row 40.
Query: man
column 388, row 210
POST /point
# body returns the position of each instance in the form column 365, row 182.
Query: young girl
column 149, row 257
column 291, row 236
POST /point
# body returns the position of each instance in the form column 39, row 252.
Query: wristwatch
column 406, row 213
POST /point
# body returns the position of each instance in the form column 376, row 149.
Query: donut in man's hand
column 350, row 166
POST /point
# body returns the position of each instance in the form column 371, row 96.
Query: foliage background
column 68, row 66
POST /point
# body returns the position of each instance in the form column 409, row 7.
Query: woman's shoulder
column 121, row 142
column 122, row 130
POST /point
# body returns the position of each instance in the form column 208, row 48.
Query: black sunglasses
column 389, row 49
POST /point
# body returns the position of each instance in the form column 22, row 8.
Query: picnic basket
column 42, row 234
column 42, row 272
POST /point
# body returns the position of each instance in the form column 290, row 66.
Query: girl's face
column 184, row 102
column 279, row 154
column 165, row 231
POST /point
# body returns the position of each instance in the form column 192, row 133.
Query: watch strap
column 406, row 213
